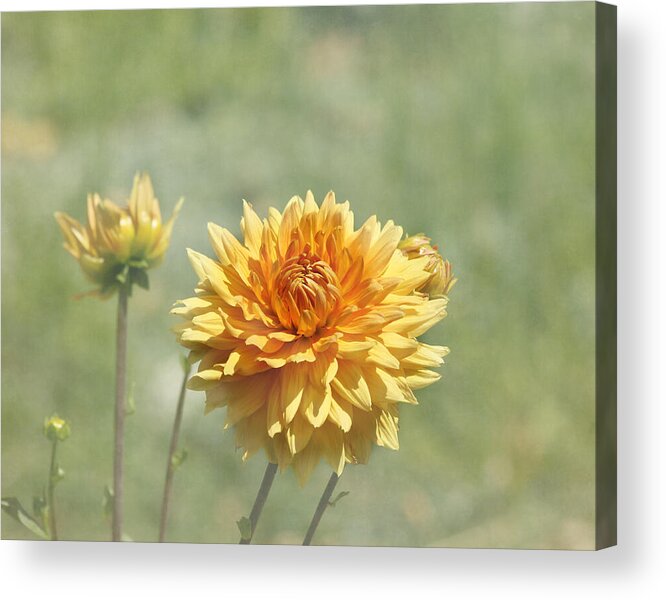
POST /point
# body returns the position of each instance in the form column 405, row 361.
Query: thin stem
column 260, row 500
column 321, row 508
column 51, row 488
column 171, row 468
column 119, row 425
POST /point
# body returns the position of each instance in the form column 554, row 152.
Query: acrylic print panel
column 473, row 142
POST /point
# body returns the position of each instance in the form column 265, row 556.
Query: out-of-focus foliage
column 472, row 124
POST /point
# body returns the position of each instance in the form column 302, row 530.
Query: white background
column 635, row 568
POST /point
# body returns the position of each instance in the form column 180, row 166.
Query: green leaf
column 140, row 277
column 107, row 501
column 337, row 499
column 245, row 528
column 178, row 457
column 14, row 509
column 125, row 538
column 130, row 405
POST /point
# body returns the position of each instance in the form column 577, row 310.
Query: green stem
column 260, row 500
column 321, row 508
column 168, row 482
column 119, row 423
column 51, row 492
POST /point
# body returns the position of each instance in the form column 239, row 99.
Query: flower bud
column 441, row 279
column 56, row 428
column 119, row 239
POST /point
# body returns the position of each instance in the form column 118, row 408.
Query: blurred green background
column 474, row 124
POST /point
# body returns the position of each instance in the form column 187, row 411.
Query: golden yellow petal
column 341, row 414
column 162, row 242
column 252, row 229
column 241, row 406
column 420, row 320
column 288, row 225
column 386, row 428
column 331, row 440
column 292, row 384
column 205, row 379
column 228, row 249
column 425, row 356
column 298, row 434
column 370, row 320
column 380, row 356
column 305, row 462
column 350, row 385
column 273, row 415
column 382, row 250
column 351, row 349
column 360, row 241
column 251, row 433
column 422, row 378
column 68, row 225
column 316, row 404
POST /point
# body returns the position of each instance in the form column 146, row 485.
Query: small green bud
column 130, row 404
column 58, row 475
column 56, row 428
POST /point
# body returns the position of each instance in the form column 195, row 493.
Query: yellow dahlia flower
column 441, row 278
column 119, row 243
column 307, row 332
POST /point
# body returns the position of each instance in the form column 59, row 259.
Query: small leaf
column 245, row 528
column 337, row 499
column 130, row 405
column 13, row 508
column 140, row 277
column 178, row 457
column 107, row 501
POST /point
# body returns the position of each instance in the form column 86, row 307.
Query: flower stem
column 119, row 424
column 321, row 508
column 51, row 488
column 168, row 482
column 260, row 500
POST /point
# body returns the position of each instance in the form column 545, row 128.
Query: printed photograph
column 316, row 275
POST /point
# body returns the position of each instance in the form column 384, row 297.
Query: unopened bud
column 56, row 428
column 441, row 279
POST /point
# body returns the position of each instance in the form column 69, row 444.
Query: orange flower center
column 306, row 291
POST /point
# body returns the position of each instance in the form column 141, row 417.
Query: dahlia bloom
column 307, row 332
column 441, row 278
column 119, row 242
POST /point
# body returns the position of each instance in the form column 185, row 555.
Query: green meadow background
column 474, row 124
